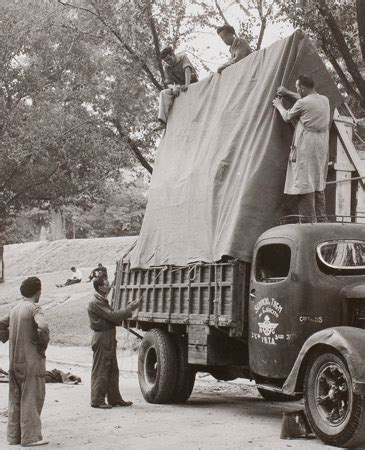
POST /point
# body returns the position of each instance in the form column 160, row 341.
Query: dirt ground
column 219, row 415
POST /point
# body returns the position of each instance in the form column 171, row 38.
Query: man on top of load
column 179, row 74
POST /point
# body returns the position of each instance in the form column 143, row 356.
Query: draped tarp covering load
column 220, row 168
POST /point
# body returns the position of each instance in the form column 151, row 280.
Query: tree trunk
column 342, row 46
column 132, row 146
column 57, row 224
column 346, row 84
column 360, row 8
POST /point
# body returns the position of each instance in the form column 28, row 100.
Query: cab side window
column 272, row 263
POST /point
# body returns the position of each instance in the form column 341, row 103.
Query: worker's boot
column 122, row 403
column 36, row 444
column 102, row 406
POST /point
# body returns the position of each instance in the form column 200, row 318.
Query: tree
column 49, row 145
column 338, row 29
column 118, row 212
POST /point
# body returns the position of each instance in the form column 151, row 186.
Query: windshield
column 342, row 255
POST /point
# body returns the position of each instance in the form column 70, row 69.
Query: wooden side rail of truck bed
column 198, row 294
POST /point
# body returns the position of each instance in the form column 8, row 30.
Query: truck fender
column 348, row 341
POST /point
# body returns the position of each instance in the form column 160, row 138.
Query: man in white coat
column 308, row 160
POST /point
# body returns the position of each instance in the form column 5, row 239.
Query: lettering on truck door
column 271, row 307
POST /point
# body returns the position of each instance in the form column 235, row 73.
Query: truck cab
column 305, row 278
column 307, row 320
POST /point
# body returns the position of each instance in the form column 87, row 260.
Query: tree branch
column 220, row 12
column 346, row 84
column 156, row 41
column 342, row 46
column 261, row 34
column 31, row 186
column 132, row 145
column 117, row 35
column 243, row 8
column 360, row 10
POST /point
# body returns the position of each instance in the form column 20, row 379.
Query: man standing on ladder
column 308, row 159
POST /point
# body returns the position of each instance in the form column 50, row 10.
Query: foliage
column 334, row 25
column 249, row 17
column 118, row 211
column 53, row 151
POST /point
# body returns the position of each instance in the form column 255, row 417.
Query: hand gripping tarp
column 220, row 169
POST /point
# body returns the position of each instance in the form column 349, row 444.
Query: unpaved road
column 218, row 416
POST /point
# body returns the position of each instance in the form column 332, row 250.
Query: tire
column 157, row 366
column 272, row 396
column 335, row 413
column 185, row 377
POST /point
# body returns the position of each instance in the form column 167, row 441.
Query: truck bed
column 198, row 294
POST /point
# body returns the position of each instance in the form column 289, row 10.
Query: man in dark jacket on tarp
column 105, row 371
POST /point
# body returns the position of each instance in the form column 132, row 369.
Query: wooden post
column 360, row 196
column 344, row 171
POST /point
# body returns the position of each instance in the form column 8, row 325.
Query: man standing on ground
column 308, row 159
column 238, row 47
column 105, row 371
column 179, row 74
column 28, row 336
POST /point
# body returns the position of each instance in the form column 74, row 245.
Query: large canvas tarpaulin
column 220, row 169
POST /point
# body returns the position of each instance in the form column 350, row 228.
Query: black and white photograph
column 182, row 224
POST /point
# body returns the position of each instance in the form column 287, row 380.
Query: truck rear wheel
column 334, row 411
column 185, row 377
column 157, row 366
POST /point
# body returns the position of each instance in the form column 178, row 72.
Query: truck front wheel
column 336, row 414
column 157, row 366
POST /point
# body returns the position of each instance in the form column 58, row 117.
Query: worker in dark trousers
column 105, row 371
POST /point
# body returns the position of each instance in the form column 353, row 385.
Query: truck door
column 270, row 307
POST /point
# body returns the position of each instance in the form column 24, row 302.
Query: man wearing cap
column 238, row 47
column 28, row 335
column 179, row 74
column 105, row 372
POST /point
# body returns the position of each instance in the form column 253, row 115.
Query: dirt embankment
column 43, row 257
column 65, row 308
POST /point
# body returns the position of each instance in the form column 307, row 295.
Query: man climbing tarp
column 220, row 170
